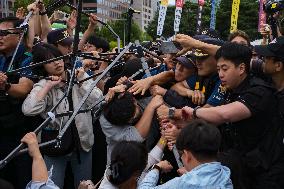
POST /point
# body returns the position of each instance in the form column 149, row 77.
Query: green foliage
column 25, row 3
column 247, row 21
column 120, row 26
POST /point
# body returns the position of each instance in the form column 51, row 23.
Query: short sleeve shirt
column 22, row 59
column 259, row 98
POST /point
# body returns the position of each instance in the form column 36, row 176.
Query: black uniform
column 14, row 125
column 252, row 147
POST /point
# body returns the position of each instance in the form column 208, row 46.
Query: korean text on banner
column 179, row 5
column 162, row 16
column 213, row 15
column 235, row 14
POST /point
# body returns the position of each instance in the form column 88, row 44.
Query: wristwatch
column 155, row 166
column 172, row 112
column 194, row 112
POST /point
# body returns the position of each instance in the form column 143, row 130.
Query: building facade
column 111, row 9
column 148, row 9
column 6, row 8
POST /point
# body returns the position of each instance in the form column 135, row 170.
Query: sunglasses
column 7, row 32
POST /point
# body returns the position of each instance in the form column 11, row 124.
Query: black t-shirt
column 280, row 98
column 259, row 98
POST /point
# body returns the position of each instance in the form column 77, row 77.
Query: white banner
column 179, row 5
column 162, row 16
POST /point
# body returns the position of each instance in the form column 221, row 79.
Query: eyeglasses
column 7, row 32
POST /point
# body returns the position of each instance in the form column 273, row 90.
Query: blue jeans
column 81, row 171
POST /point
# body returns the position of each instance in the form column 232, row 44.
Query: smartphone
column 170, row 47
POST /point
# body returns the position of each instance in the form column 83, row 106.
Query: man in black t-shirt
column 246, row 121
column 274, row 66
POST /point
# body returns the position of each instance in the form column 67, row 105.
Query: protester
column 40, row 176
column 13, row 89
column 131, row 124
column 239, row 37
column 44, row 96
column 123, row 172
column 198, row 144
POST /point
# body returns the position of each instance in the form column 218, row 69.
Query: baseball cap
column 273, row 49
column 206, row 39
column 188, row 62
column 211, row 33
column 59, row 36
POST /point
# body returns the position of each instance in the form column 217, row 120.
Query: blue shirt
column 207, row 175
column 216, row 95
column 49, row 184
column 161, row 69
column 22, row 59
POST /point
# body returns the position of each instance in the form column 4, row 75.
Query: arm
column 90, row 30
column 45, row 23
column 144, row 124
column 189, row 43
column 40, row 177
column 232, row 112
column 140, row 86
column 31, row 33
column 71, row 22
column 37, row 101
column 39, row 170
column 182, row 89
column 22, row 89
column 151, row 179
column 37, row 25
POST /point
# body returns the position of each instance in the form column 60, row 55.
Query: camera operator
column 275, row 8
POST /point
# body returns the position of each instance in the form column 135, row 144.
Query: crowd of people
column 204, row 105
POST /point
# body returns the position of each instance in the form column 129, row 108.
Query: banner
column 199, row 16
column 261, row 14
column 179, row 5
column 162, row 16
column 213, row 14
column 235, row 14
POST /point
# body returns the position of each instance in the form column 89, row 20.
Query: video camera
column 273, row 6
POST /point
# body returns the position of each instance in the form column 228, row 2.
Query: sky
column 172, row 2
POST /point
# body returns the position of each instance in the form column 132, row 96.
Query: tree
column 247, row 20
column 25, row 3
column 188, row 20
column 118, row 26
